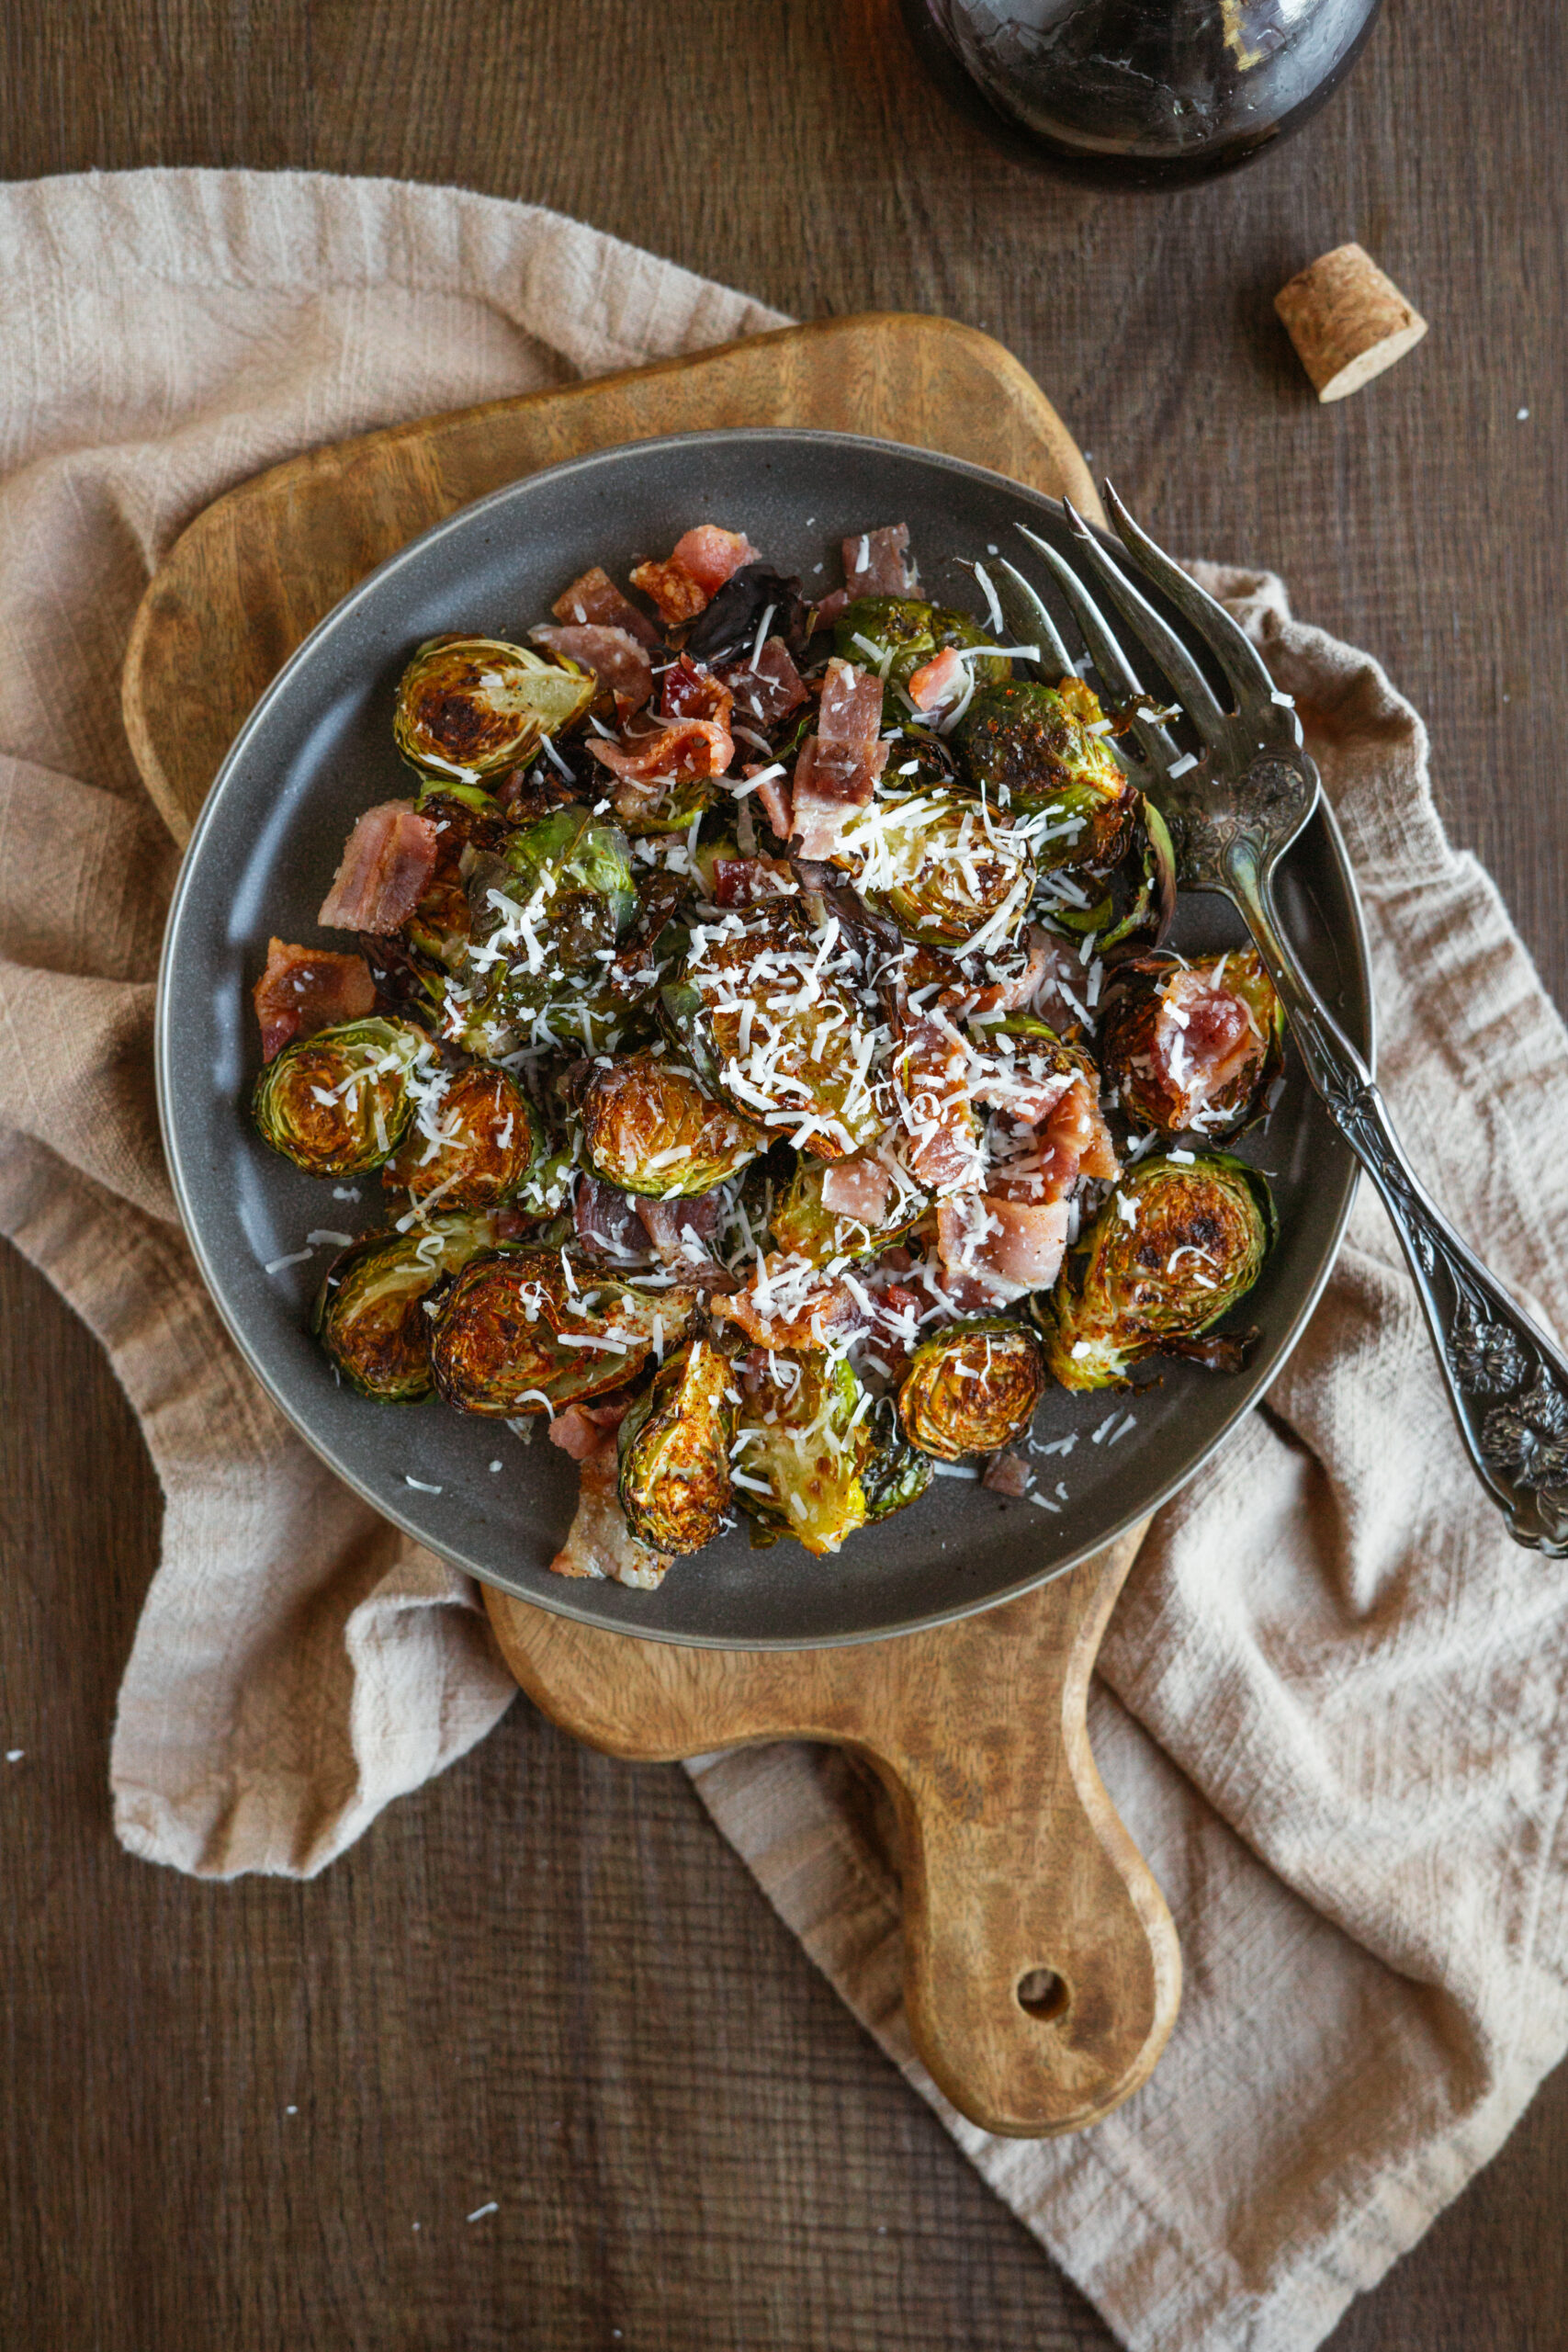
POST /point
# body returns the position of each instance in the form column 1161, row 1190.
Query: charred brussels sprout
column 647, row 1126
column 340, row 1102
column 523, row 1330
column 370, row 1316
column 898, row 635
column 877, row 1208
column 468, row 705
column 949, row 871
column 803, row 1438
column 767, row 1009
column 546, row 917
column 473, row 1141
column 896, row 1473
column 1028, row 749
column 971, row 1387
column 673, row 1451
column 1176, row 1246
column 1193, row 1045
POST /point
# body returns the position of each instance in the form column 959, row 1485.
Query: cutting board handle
column 1042, row 1970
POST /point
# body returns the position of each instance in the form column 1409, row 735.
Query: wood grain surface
column 542, row 1979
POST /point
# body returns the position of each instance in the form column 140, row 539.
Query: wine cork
column 1347, row 321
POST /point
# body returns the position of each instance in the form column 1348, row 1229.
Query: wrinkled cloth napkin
column 1329, row 1701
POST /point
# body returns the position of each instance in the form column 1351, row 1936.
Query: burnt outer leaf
column 727, row 629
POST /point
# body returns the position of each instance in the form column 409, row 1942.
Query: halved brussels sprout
column 1193, row 1045
column 340, row 1102
column 802, row 1227
column 897, row 1473
column 804, row 1421
column 896, row 636
column 944, row 866
column 467, row 706
column 765, row 1008
column 1176, row 1246
column 971, row 1387
column 370, row 1313
column 673, row 1451
column 1029, row 748
column 546, row 919
column 674, row 811
column 524, row 1330
column 649, row 1126
column 472, row 1142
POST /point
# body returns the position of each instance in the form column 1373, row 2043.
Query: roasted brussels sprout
column 1193, row 1045
column 370, row 1314
column 340, row 1102
column 673, row 1451
column 1175, row 1246
column 649, row 1126
column 468, row 705
column 971, row 1387
column 523, row 1330
column 766, row 1008
column 898, row 635
column 802, row 1440
column 1028, row 749
column 671, row 811
column 872, row 1213
column 946, row 869
column 896, row 1472
column 547, row 915
column 474, row 1138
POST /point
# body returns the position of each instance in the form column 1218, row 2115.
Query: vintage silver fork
column 1233, row 809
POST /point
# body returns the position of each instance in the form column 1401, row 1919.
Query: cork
column 1347, row 321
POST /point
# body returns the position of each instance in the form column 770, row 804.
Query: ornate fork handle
column 1507, row 1382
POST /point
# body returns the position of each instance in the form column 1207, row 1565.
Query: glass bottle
column 1140, row 93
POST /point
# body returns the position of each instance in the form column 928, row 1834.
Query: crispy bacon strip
column 615, row 657
column 784, row 1304
column 583, row 1430
column 680, row 750
column 682, row 1233
column 386, row 861
column 937, row 681
column 600, row 1543
column 933, row 1094
column 690, row 693
column 1006, row 1473
column 595, row 597
column 767, row 688
column 746, row 881
column 876, row 563
column 859, row 1186
column 836, row 768
column 696, row 568
column 305, row 990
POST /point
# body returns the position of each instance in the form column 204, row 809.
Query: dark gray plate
column 317, row 748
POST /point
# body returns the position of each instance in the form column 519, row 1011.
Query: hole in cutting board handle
column 1042, row 1993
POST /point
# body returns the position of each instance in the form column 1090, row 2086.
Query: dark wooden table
column 257, row 2116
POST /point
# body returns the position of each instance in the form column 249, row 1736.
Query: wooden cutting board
column 1042, row 1967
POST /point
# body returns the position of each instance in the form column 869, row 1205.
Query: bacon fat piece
column 386, row 863
column 306, row 990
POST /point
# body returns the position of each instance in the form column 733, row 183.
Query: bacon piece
column 595, row 597
column 1008, row 1248
column 878, row 564
column 386, row 863
column 786, row 1304
column 305, row 990
column 746, row 881
column 1203, row 1034
column 774, row 799
column 681, row 1233
column 1006, row 1473
column 1041, row 1159
column 769, row 687
column 938, row 681
column 607, row 1222
column 680, row 750
column 615, row 657
column 696, row 568
column 836, row 768
column 600, row 1543
column 826, row 613
column 932, row 1069
column 690, row 693
column 583, row 1430
column 859, row 1186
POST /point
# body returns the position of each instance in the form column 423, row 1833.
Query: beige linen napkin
column 1331, row 1693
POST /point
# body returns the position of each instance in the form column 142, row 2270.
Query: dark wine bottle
column 1140, row 93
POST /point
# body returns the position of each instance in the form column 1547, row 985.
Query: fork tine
column 1034, row 620
column 1105, row 652
column 1191, row 688
column 1237, row 654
